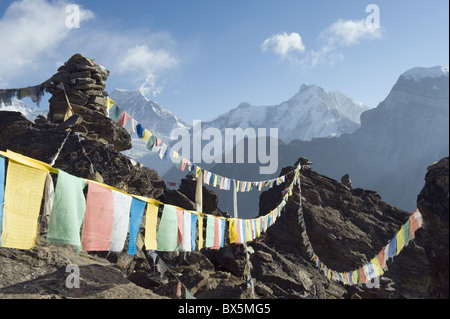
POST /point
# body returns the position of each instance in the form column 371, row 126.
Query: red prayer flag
column 98, row 218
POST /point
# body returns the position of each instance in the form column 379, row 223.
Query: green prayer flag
column 167, row 234
column 210, row 222
column 115, row 112
column 68, row 210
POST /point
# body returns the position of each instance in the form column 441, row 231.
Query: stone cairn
column 80, row 82
column 84, row 84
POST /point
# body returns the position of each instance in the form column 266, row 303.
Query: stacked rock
column 79, row 102
column 83, row 82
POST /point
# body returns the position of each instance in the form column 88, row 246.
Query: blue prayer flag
column 136, row 214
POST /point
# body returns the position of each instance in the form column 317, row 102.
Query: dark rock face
column 433, row 202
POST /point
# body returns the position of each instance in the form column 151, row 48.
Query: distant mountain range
column 386, row 149
column 310, row 113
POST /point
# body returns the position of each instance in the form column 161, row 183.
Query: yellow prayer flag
column 200, row 231
column 355, row 277
column 248, row 234
column 400, row 241
column 329, row 274
column 376, row 266
column 151, row 220
column 146, row 135
column 24, row 189
column 258, row 227
column 109, row 102
column 233, row 231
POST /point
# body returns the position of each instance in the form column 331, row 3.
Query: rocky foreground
column 346, row 227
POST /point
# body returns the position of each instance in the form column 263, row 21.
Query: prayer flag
column 139, row 130
column 194, row 218
column 98, row 218
column 167, row 234
column 233, row 230
column 121, row 220
column 362, row 276
column 162, row 151
column 24, row 190
column 123, row 119
column 186, row 241
column 146, row 135
column 400, row 241
column 109, row 102
column 200, row 232
column 217, row 230
column 180, row 214
column 183, row 164
column 243, row 230
column 151, row 220
column 210, row 229
column 68, row 210
column 2, row 192
column 136, row 214
column 49, row 196
column 407, row 232
column 133, row 125
column 151, row 143
column 392, row 247
column 115, row 112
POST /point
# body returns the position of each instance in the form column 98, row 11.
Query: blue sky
column 201, row 58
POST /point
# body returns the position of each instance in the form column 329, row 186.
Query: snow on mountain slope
column 420, row 73
column 28, row 111
column 311, row 113
column 150, row 114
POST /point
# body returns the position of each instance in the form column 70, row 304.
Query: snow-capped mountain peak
column 419, row 73
column 148, row 113
column 310, row 113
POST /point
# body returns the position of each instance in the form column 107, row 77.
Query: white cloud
column 284, row 43
column 31, row 30
column 35, row 39
column 341, row 33
column 349, row 32
column 145, row 65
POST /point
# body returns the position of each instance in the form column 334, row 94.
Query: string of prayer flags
column 136, row 214
column 68, row 210
column 118, row 115
column 98, row 218
column 377, row 265
column 35, row 92
column 121, row 220
column 24, row 190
